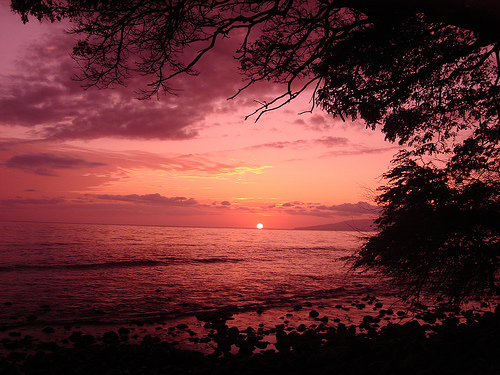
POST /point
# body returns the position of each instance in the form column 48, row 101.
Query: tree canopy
column 426, row 73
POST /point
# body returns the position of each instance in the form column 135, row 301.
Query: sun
column 260, row 226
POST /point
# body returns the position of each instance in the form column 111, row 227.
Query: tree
column 439, row 232
column 425, row 72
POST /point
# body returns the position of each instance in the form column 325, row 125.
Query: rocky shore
column 430, row 342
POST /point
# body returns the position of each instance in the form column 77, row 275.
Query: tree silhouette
column 426, row 73
column 439, row 230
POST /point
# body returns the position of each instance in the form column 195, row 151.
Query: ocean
column 53, row 273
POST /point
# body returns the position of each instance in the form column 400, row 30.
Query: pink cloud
column 44, row 164
column 324, row 141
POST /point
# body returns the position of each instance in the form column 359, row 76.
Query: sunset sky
column 102, row 156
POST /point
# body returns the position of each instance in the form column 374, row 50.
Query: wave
column 120, row 264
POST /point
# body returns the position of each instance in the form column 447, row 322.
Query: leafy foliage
column 439, row 233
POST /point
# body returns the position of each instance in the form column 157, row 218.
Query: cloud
column 155, row 199
column 348, row 208
column 42, row 97
column 291, row 204
column 44, row 164
column 332, row 141
column 317, row 122
column 225, row 203
column 280, row 144
column 319, row 210
column 328, row 142
column 31, row 201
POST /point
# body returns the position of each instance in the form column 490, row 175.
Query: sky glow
column 102, row 156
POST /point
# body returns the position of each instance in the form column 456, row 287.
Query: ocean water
column 81, row 273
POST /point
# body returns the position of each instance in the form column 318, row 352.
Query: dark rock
column 313, row 314
column 297, row 307
column 233, row 332
column 261, row 344
column 222, row 330
column 301, row 328
column 280, row 335
column 75, row 336
column 110, row 337
column 429, row 318
column 368, row 319
column 49, row 346
column 48, row 330
column 123, row 331
column 79, row 339
column 182, row 326
column 149, row 340
column 497, row 310
column 224, row 345
column 282, row 346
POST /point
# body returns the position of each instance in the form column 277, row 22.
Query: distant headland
column 363, row 225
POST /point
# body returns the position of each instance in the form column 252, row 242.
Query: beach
column 301, row 340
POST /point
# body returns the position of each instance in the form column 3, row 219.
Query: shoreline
column 212, row 341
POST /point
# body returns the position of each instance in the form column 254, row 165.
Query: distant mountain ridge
column 363, row 225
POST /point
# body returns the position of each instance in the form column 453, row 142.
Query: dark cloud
column 43, row 96
column 349, row 208
column 155, row 199
column 319, row 210
column 332, row 141
column 225, row 203
column 31, row 201
column 317, row 122
column 44, row 164
column 291, row 204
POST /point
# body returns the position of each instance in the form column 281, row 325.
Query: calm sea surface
column 109, row 273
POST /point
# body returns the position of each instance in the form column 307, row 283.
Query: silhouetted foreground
column 448, row 347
